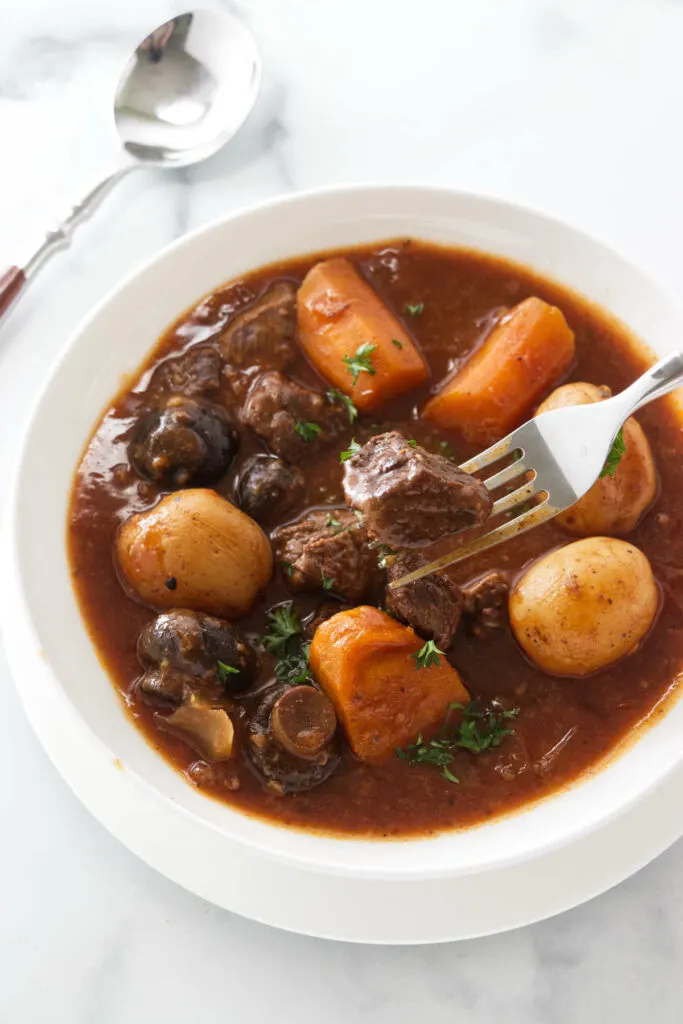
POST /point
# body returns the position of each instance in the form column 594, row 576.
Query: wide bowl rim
column 310, row 860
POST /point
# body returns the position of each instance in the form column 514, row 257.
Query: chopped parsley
column 284, row 627
column 327, row 581
column 226, row 670
column 477, row 731
column 415, row 309
column 397, row 343
column 285, row 640
column 338, row 396
column 288, row 568
column 352, row 450
column 481, row 730
column 427, row 656
column 307, row 431
column 615, row 455
column 361, row 361
column 294, row 668
column 384, row 553
column 413, row 444
column 359, row 515
column 331, row 520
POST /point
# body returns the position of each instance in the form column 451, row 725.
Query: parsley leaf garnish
column 226, row 670
column 615, row 455
column 415, row 309
column 327, row 581
column 307, row 431
column 284, row 625
column 397, row 343
column 359, row 515
column 338, row 396
column 294, row 668
column 352, row 450
column 288, row 568
column 331, row 520
column 384, row 553
column 477, row 731
column 427, row 656
column 361, row 361
column 413, row 444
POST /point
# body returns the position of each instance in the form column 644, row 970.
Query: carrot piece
column 338, row 312
column 495, row 391
column 363, row 660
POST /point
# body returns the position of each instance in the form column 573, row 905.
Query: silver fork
column 560, row 454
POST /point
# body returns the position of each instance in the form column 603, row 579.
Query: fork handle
column 660, row 379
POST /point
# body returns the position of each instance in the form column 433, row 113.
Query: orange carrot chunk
column 524, row 356
column 352, row 339
column 365, row 662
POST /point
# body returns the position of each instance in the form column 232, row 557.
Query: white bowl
column 115, row 339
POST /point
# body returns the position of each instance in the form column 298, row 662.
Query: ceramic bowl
column 111, row 344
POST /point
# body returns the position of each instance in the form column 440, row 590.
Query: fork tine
column 504, row 476
column 539, row 514
column 497, row 451
column 508, row 501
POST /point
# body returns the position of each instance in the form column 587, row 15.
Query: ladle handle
column 14, row 279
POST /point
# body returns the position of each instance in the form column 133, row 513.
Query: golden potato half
column 584, row 606
column 614, row 504
column 195, row 550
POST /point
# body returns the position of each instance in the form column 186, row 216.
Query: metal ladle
column 183, row 94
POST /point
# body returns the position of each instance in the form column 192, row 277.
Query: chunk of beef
column 263, row 335
column 318, row 553
column 324, row 611
column 282, row 771
column 185, row 442
column 431, row 605
column 286, row 416
column 183, row 646
column 408, row 497
column 195, row 374
column 269, row 488
column 485, row 603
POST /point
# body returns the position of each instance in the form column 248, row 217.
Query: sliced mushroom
column 284, row 771
column 207, row 730
column 303, row 721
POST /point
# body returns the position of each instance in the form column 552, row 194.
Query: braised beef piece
column 282, row 770
column 408, row 497
column 268, row 488
column 182, row 647
column 293, row 420
column 263, row 335
column 324, row 611
column 431, row 605
column 317, row 552
column 485, row 604
column 186, row 442
column 195, row 374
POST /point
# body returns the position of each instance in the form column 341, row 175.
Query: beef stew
column 244, row 445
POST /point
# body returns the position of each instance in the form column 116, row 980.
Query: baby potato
column 614, row 504
column 584, row 606
column 195, row 550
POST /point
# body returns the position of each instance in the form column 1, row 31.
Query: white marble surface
column 571, row 106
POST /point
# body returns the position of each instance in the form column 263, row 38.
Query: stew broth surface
column 565, row 726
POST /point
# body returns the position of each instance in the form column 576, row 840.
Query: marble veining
column 572, row 107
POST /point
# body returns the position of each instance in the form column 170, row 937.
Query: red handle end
column 11, row 283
